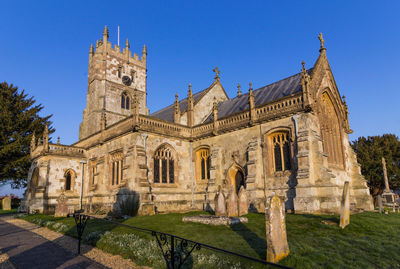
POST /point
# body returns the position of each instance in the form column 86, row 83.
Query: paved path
column 29, row 250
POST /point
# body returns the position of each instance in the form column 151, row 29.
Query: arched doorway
column 239, row 181
column 235, row 177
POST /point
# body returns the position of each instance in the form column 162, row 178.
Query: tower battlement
column 114, row 76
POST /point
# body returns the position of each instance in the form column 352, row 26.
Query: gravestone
column 232, row 203
column 6, row 203
column 220, row 203
column 61, row 207
column 345, row 206
column 275, row 226
column 243, row 202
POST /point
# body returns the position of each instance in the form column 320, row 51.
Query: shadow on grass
column 335, row 219
column 253, row 240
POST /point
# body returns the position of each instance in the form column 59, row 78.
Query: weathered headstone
column 220, row 203
column 232, row 202
column 6, row 203
column 380, row 203
column 345, row 206
column 275, row 226
column 61, row 207
column 243, row 202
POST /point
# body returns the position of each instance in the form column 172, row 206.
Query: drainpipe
column 80, row 197
column 191, row 171
column 263, row 165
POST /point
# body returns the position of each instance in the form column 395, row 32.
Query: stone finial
column 252, row 105
column 58, row 140
column 239, row 92
column 91, row 50
column 46, row 138
column 127, row 44
column 144, row 52
column 190, row 101
column 33, row 141
column 303, row 69
column 105, row 34
column 322, row 41
column 46, row 131
column 177, row 110
column 217, row 72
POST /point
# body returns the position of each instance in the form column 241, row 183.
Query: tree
column 19, row 119
column 369, row 155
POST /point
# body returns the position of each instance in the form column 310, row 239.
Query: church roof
column 272, row 92
column 263, row 95
column 167, row 113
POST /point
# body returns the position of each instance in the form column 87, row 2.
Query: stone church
column 288, row 138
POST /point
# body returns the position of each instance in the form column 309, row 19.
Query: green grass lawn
column 371, row 240
column 14, row 210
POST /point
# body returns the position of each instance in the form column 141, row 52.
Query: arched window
column 125, row 101
column 164, row 166
column 330, row 131
column 239, row 179
column 203, row 164
column 281, row 151
column 68, row 182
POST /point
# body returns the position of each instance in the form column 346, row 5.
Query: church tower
column 115, row 79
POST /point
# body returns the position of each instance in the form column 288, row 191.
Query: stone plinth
column 275, row 225
column 345, row 206
column 6, row 203
column 214, row 220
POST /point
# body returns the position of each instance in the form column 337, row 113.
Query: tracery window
column 281, row 151
column 203, row 164
column 330, row 131
column 119, row 71
column 125, row 101
column 164, row 166
column 116, row 165
column 34, row 182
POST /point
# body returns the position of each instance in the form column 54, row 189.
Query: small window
column 133, row 74
column 125, row 101
column 69, row 176
column 119, row 71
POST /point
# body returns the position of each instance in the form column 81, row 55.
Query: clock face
column 126, row 80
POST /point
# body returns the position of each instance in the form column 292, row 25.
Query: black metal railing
column 175, row 250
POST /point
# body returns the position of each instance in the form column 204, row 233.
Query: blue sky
column 44, row 50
